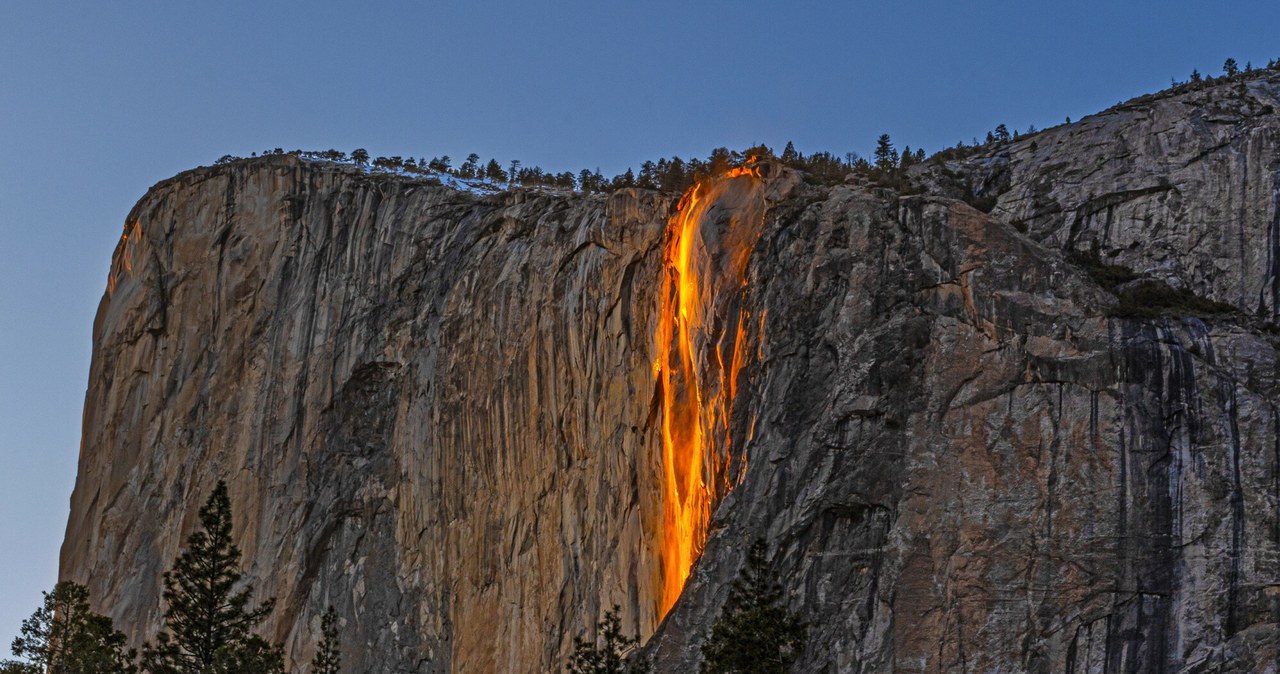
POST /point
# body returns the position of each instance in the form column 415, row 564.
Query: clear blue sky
column 99, row 100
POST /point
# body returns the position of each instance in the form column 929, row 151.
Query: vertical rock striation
column 433, row 409
column 444, row 413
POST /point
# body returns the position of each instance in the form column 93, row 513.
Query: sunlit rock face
column 433, row 410
column 452, row 416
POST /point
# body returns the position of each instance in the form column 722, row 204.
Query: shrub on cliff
column 209, row 623
column 755, row 634
column 608, row 653
column 64, row 637
column 1154, row 299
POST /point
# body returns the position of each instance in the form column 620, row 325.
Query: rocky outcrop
column 431, row 408
column 1184, row 188
column 441, row 413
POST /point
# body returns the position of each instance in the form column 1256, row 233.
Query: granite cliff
column 454, row 416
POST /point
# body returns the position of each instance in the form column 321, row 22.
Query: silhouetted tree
column 1229, row 67
column 676, row 177
column 328, row 659
column 757, row 151
column 584, row 181
column 789, row 154
column 908, row 158
column 64, row 637
column 360, row 156
column 719, row 161
column 470, row 167
column 439, row 164
column 208, row 622
column 886, row 156
column 647, row 178
column 493, row 171
column 755, row 633
column 608, row 652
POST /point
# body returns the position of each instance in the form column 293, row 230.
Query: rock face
column 441, row 412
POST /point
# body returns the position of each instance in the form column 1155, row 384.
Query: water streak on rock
column 700, row 352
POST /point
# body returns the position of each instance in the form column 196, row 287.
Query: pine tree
column 493, row 171
column 720, row 160
column 754, row 634
column 470, row 166
column 646, row 179
column 611, row 656
column 886, row 156
column 328, row 659
column 209, row 623
column 1002, row 134
column 64, row 637
column 789, row 154
column 1230, row 67
column 360, row 156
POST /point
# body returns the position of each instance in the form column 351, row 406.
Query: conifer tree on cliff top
column 755, row 634
column 209, row 625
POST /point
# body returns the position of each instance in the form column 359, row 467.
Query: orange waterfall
column 700, row 351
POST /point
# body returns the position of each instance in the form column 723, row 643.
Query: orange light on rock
column 697, row 386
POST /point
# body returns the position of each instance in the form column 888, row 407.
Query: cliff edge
column 443, row 413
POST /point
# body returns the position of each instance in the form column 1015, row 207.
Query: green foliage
column 64, row 637
column 608, row 653
column 1230, row 68
column 493, row 171
column 1153, row 299
column 255, row 656
column 209, row 623
column 1148, row 299
column 360, row 156
column 328, row 658
column 1108, row 276
column 755, row 634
